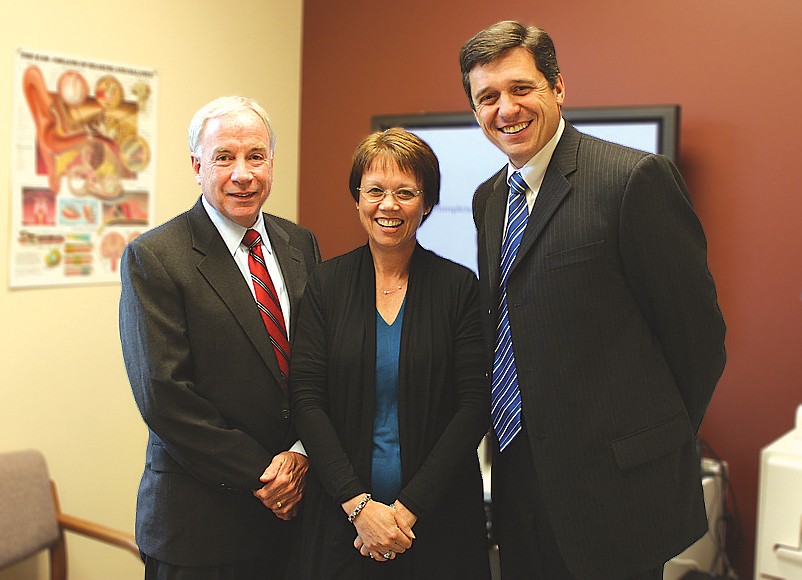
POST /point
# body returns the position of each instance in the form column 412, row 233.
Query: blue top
column 386, row 458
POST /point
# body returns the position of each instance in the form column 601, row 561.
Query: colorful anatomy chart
column 83, row 176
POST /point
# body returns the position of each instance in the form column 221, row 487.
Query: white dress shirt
column 534, row 170
column 232, row 237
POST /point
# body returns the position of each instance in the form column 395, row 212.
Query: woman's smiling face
column 390, row 225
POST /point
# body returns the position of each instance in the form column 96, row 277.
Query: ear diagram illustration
column 90, row 142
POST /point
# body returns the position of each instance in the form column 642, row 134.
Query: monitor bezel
column 667, row 118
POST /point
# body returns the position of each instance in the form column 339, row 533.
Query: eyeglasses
column 375, row 194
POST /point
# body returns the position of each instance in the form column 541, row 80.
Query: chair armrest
column 99, row 532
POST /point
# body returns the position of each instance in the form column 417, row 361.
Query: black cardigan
column 443, row 400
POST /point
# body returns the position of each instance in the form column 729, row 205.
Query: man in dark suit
column 603, row 325
column 221, row 480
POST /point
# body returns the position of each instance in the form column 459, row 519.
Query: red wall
column 734, row 66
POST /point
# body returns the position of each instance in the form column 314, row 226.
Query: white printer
column 778, row 546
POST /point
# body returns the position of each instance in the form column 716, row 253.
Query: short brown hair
column 494, row 41
column 408, row 151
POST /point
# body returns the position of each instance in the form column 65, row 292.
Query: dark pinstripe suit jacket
column 619, row 343
column 206, row 381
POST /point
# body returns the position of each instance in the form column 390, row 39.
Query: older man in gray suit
column 208, row 302
column 603, row 328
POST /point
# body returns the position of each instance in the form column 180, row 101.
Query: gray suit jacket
column 619, row 343
column 207, row 383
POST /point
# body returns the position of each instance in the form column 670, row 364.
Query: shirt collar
column 534, row 170
column 231, row 232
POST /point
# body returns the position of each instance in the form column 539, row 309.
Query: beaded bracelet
column 359, row 508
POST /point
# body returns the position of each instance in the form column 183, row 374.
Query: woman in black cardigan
column 389, row 392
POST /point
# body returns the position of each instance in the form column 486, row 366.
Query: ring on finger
column 388, row 555
column 278, row 504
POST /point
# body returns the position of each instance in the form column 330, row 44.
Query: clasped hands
column 382, row 531
column 284, row 481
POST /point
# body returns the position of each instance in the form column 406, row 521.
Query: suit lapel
column 553, row 190
column 290, row 260
column 494, row 226
column 222, row 274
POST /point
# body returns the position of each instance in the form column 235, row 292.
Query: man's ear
column 559, row 89
column 195, row 167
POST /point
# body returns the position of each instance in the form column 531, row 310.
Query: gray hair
column 494, row 41
column 219, row 108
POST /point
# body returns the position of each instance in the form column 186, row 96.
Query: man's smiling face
column 514, row 105
column 235, row 166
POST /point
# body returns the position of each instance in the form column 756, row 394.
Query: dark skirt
column 451, row 544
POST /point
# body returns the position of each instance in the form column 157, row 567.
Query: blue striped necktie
column 506, row 396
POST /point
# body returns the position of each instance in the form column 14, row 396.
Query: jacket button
column 285, row 413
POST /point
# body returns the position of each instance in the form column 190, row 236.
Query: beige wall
column 63, row 388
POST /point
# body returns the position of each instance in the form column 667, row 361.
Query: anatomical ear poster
column 83, row 175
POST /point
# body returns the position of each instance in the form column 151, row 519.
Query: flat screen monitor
column 467, row 159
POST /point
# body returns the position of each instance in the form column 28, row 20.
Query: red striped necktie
column 267, row 300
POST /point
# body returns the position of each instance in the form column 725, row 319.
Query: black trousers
column 528, row 549
column 259, row 569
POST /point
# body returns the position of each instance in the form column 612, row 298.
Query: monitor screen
column 467, row 159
